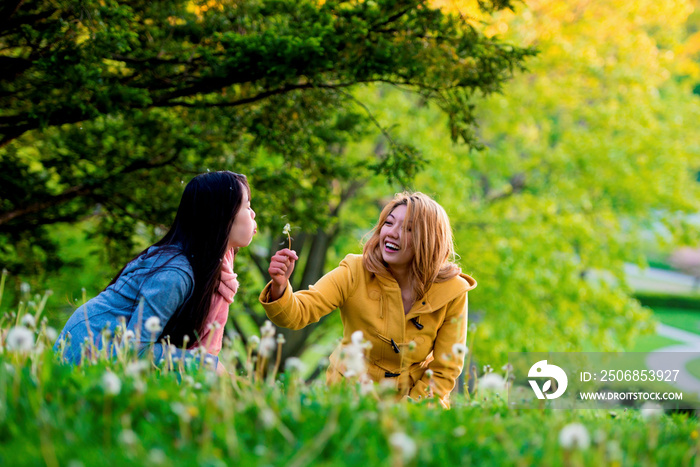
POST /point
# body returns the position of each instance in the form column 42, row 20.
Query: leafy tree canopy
column 107, row 106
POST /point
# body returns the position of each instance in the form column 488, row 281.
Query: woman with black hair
column 179, row 288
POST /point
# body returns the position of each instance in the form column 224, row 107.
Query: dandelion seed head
column 366, row 385
column 294, row 364
column 136, row 368
column 268, row 418
column 128, row 437
column 403, row 444
column 28, row 321
column 651, row 410
column 267, row 346
column 268, row 329
column 111, row 384
column 157, row 456
column 20, row 339
column 574, row 436
column 357, row 337
column 459, row 350
column 492, row 382
column 153, row 325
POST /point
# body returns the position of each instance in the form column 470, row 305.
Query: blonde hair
column 431, row 234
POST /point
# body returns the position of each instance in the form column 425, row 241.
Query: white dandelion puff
column 28, row 321
column 153, row 325
column 128, row 437
column 651, row 410
column 20, row 339
column 294, row 364
column 357, row 338
column 267, row 346
column 157, row 456
column 492, row 382
column 404, row 444
column 111, row 384
column 268, row 329
column 574, row 435
column 51, row 334
column 366, row 385
column 459, row 350
column 268, row 418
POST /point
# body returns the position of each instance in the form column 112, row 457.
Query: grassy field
column 131, row 411
column 688, row 320
column 53, row 414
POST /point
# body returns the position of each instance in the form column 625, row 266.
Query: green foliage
column 588, row 156
column 107, row 106
column 662, row 300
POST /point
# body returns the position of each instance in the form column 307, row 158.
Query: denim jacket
column 161, row 279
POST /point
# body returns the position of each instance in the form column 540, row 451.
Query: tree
column 589, row 151
column 107, row 107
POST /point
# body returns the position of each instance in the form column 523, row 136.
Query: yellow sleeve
column 295, row 310
column 446, row 367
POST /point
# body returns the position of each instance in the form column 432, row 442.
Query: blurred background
column 560, row 136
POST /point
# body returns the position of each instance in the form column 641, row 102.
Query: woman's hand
column 281, row 267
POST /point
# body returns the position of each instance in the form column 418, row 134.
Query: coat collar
column 439, row 294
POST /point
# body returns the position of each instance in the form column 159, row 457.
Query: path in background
column 676, row 357
column 658, row 280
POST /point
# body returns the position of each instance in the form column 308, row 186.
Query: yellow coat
column 373, row 305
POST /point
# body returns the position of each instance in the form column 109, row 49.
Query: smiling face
column 244, row 225
column 395, row 242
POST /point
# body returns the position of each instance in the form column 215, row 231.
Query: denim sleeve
column 161, row 295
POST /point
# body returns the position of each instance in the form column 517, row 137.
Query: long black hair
column 200, row 231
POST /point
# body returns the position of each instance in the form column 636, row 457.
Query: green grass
column 693, row 367
column 652, row 342
column 688, row 320
column 54, row 414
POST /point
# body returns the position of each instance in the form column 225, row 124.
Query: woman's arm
column 161, row 295
column 296, row 310
column 446, row 366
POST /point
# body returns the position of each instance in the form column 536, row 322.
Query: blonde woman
column 404, row 293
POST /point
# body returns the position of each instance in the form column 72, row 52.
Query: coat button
column 424, row 302
column 394, row 346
